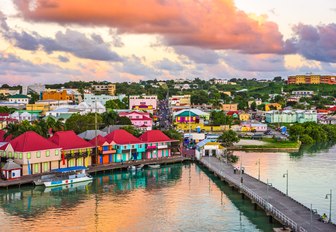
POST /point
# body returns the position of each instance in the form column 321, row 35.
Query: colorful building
column 191, row 115
column 179, row 100
column 244, row 117
column 312, row 79
column 143, row 102
column 158, row 145
column 19, row 98
column 253, row 126
column 127, row 146
column 230, row 107
column 141, row 120
column 33, row 152
column 105, row 150
column 289, row 116
column 75, row 150
column 57, row 95
column 272, row 106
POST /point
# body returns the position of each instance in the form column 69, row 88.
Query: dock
column 275, row 203
column 28, row 180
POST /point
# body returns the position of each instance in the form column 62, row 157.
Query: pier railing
column 269, row 208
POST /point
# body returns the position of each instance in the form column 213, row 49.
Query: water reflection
column 312, row 149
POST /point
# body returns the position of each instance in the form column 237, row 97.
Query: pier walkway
column 276, row 204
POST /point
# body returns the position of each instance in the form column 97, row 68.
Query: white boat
column 42, row 179
column 67, row 176
column 131, row 167
column 154, row 165
column 139, row 167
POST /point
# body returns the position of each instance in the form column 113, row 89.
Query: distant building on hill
column 312, row 79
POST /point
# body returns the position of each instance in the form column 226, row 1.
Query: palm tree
column 12, row 129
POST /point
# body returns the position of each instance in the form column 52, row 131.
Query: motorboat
column 139, row 167
column 42, row 179
column 154, row 165
column 65, row 176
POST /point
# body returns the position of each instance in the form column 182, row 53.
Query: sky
column 54, row 41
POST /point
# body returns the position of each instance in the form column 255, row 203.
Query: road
column 164, row 114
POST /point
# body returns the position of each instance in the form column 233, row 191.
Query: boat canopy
column 70, row 169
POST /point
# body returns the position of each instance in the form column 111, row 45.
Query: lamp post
column 286, row 175
column 311, row 215
column 268, row 184
column 329, row 196
column 258, row 162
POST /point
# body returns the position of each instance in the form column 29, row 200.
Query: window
column 20, row 155
column 15, row 155
column 125, row 147
column 28, row 155
column 133, row 146
column 38, row 154
column 9, row 154
column 47, row 153
column 56, row 152
column 140, row 146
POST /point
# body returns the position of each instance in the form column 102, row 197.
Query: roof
column 232, row 112
column 121, row 137
column 18, row 96
column 132, row 112
column 2, row 136
column 31, row 141
column 10, row 165
column 69, row 140
column 90, row 134
column 4, row 114
column 70, row 169
column 186, row 113
column 195, row 111
column 154, row 136
column 144, row 118
column 332, row 108
column 100, row 140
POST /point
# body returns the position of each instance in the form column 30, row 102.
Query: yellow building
column 244, row 117
column 38, row 106
column 272, row 106
column 315, row 79
column 111, row 89
column 57, row 95
column 230, row 107
column 180, row 100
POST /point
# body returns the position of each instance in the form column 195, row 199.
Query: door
column 46, row 167
column 106, row 159
column 36, row 168
column 80, row 162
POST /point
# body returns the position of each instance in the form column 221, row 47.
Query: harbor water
column 178, row 197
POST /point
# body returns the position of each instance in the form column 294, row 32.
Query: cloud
column 215, row 24
column 168, row 65
column 63, row 59
column 135, row 66
column 316, row 43
column 198, row 55
column 255, row 63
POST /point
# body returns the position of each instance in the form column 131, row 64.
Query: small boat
column 139, row 167
column 42, row 179
column 154, row 165
column 66, row 176
column 132, row 167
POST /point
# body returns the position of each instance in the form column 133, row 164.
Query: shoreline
column 28, row 180
column 265, row 149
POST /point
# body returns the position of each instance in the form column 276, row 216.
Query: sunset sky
column 52, row 41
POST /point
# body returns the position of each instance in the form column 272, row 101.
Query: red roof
column 4, row 114
column 2, row 136
column 31, row 141
column 154, row 136
column 121, row 137
column 69, row 140
column 100, row 140
column 332, row 108
column 232, row 112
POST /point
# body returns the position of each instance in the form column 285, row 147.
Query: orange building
column 311, row 79
column 57, row 95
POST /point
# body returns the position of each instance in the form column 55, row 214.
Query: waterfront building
column 272, row 106
column 127, row 146
column 75, row 150
column 143, row 102
column 19, row 98
column 290, row 116
column 208, row 147
column 105, row 150
column 312, row 79
column 103, row 98
column 11, row 170
column 33, row 152
column 158, row 145
column 141, row 120
column 230, row 107
column 179, row 100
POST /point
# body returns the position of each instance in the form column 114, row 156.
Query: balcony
column 109, row 152
column 163, row 146
column 129, row 151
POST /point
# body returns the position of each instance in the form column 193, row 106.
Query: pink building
column 145, row 103
column 140, row 120
column 158, row 145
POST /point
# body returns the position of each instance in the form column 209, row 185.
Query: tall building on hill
column 312, row 79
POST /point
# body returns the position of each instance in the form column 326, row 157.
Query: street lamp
column 329, row 195
column 268, row 184
column 286, row 175
column 258, row 162
column 311, row 215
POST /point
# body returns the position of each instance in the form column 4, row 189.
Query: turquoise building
column 290, row 116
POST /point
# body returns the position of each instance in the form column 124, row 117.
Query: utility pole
column 96, row 134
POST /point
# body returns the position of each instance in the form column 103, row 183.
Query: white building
column 19, row 98
column 21, row 116
column 219, row 81
column 303, row 93
column 103, row 98
column 209, row 148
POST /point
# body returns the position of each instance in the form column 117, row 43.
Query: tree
column 132, row 130
column 115, row 104
column 110, row 117
column 123, row 121
column 173, row 134
column 277, row 79
column 228, row 138
column 199, row 97
column 253, row 106
column 80, row 123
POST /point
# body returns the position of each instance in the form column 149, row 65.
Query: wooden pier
column 28, row 180
column 276, row 204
